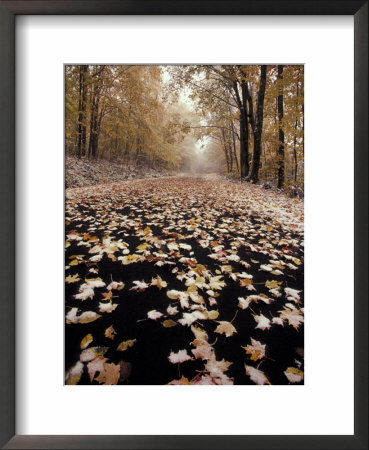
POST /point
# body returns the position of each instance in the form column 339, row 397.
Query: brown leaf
column 110, row 332
column 110, row 375
column 107, row 295
column 169, row 323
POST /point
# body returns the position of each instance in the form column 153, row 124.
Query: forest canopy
column 244, row 121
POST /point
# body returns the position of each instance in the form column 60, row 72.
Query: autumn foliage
column 183, row 281
column 246, row 122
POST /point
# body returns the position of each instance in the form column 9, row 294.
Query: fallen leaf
column 74, row 374
column 179, row 357
column 85, row 317
column 154, row 315
column 107, row 295
column 189, row 318
column 293, row 316
column 96, row 365
column 203, row 351
column 86, row 341
column 256, row 375
column 92, row 353
column 107, row 307
column 216, row 283
column 85, row 293
column 110, row 332
column 141, row 286
column 117, row 285
column 110, row 375
column 172, row 310
column 273, row 284
column 72, row 278
column 225, row 328
column 212, row 314
column 256, row 350
column 158, row 282
column 169, row 323
column 123, row 346
column 294, row 375
column 216, row 370
column 262, row 322
column 292, row 295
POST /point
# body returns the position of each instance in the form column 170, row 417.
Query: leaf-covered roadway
column 183, row 281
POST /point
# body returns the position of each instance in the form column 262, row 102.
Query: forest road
column 183, row 280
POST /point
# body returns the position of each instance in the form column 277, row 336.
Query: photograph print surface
column 184, row 225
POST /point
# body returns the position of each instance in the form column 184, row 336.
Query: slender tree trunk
column 92, row 120
column 244, row 130
column 234, row 146
column 258, row 130
column 295, row 153
column 225, row 150
column 138, row 149
column 230, row 153
column 295, row 136
column 280, row 184
column 244, row 134
column 81, row 111
column 94, row 123
column 303, row 118
column 84, row 100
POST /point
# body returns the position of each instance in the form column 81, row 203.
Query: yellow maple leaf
column 273, row 284
column 226, row 328
column 142, row 247
column 158, row 282
column 107, row 295
column 256, row 350
column 294, row 375
column 123, row 346
column 72, row 278
column 294, row 317
column 212, row 315
column 86, row 341
column 74, row 262
column 245, row 282
column 169, row 323
column 110, row 332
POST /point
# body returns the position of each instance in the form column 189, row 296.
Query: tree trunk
column 94, row 123
column 84, row 99
column 234, row 146
column 244, row 133
column 225, row 150
column 258, row 130
column 230, row 153
column 81, row 140
column 295, row 137
column 280, row 184
column 244, row 129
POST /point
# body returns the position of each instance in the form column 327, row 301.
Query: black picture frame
column 8, row 12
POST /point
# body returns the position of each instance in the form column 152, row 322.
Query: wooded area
column 244, row 121
column 184, row 225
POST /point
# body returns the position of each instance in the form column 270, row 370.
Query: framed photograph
column 165, row 167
